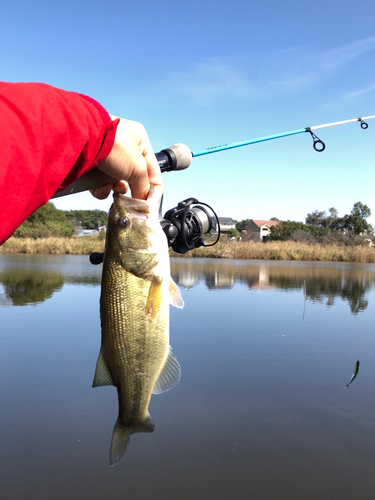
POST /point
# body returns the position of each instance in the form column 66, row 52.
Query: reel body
column 187, row 224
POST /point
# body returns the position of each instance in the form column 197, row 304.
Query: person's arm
column 50, row 137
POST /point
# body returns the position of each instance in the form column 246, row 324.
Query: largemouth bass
column 137, row 289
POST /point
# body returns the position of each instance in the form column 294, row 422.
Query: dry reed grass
column 285, row 250
column 73, row 246
column 273, row 250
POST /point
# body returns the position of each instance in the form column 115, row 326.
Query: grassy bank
column 70, row 246
column 275, row 250
column 286, row 250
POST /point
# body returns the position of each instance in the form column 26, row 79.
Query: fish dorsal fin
column 169, row 376
column 175, row 295
column 102, row 375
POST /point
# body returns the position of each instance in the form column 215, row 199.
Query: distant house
column 258, row 230
column 226, row 224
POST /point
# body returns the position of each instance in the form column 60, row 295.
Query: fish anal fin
column 169, row 376
column 146, row 426
column 175, row 295
column 102, row 375
column 154, row 298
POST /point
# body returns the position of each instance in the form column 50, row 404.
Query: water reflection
column 219, row 280
column 321, row 282
column 33, row 279
column 22, row 287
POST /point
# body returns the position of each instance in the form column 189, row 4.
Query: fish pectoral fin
column 175, row 295
column 169, row 376
column 153, row 304
column 102, row 375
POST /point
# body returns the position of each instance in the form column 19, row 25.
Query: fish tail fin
column 121, row 437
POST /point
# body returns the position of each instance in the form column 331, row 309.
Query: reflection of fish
column 355, row 373
column 136, row 292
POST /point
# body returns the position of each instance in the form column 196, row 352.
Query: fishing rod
column 179, row 156
column 318, row 144
column 168, row 164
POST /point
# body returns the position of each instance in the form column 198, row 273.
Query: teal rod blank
column 223, row 147
column 232, row 145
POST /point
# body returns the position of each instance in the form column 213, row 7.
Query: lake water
column 265, row 348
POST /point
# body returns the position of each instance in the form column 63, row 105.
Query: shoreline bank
column 273, row 250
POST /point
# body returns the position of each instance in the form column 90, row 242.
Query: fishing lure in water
column 355, row 373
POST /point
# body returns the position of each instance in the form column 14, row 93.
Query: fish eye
column 124, row 222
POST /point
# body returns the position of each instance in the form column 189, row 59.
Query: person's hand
column 132, row 160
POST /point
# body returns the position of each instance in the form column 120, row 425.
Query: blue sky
column 207, row 73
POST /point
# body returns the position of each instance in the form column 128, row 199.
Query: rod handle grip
column 176, row 157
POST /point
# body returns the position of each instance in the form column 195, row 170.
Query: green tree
column 234, row 233
column 242, row 224
column 316, row 218
column 333, row 213
column 90, row 219
column 320, row 219
column 44, row 222
column 356, row 221
column 47, row 213
column 284, row 230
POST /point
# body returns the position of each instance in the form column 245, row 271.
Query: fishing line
column 217, row 226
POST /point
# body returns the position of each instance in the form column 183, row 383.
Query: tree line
column 324, row 227
column 49, row 221
column 89, row 219
column 319, row 226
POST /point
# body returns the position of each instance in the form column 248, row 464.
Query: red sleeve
column 48, row 139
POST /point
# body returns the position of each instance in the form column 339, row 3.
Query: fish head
column 134, row 234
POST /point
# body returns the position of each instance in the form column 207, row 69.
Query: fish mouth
column 131, row 203
column 134, row 207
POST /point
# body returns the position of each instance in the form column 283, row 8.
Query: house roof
column 226, row 220
column 269, row 223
